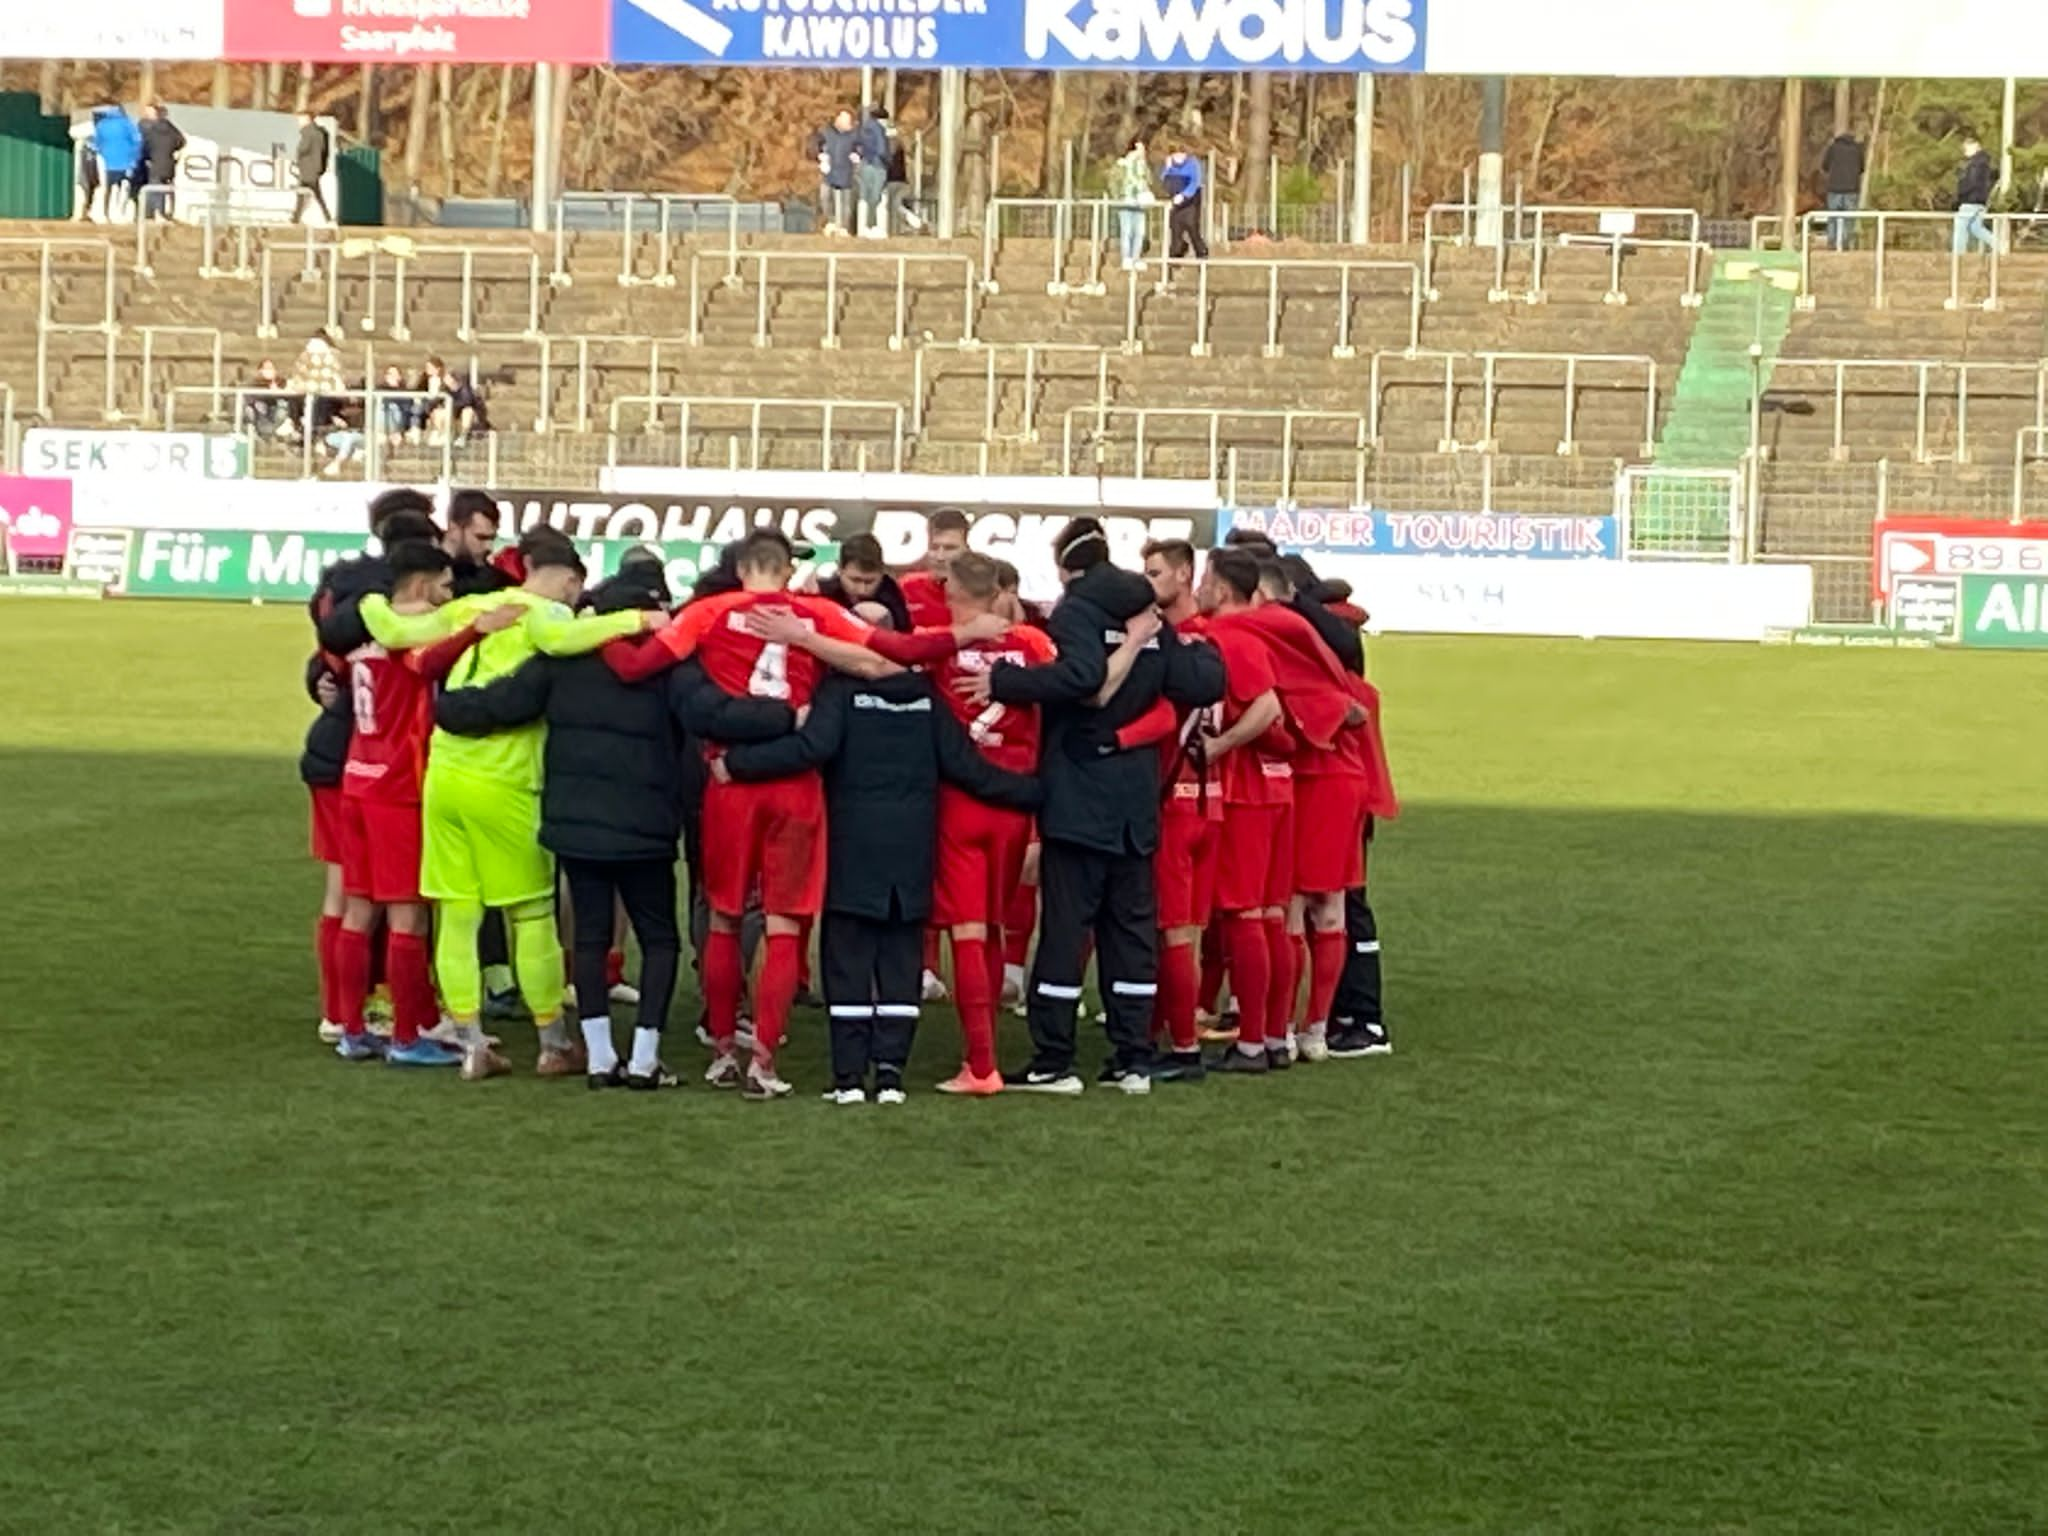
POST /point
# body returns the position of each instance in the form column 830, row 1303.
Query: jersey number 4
column 770, row 679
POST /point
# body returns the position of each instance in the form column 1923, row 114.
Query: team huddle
column 1174, row 776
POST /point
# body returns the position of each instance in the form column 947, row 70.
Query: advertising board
column 1915, row 544
column 1500, row 535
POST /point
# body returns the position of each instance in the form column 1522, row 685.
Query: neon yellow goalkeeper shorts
column 481, row 842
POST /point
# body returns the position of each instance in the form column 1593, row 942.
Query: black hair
column 724, row 576
column 1081, row 545
column 1300, row 574
column 1237, row 569
column 863, row 551
column 544, row 536
column 1273, row 579
column 1008, row 577
column 465, row 507
column 949, row 518
column 406, row 526
column 400, row 498
column 558, row 552
column 416, row 557
column 765, row 549
column 1251, row 539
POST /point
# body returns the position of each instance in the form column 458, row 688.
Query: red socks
column 325, row 938
column 1326, row 970
column 1215, row 951
column 1251, row 972
column 779, row 970
column 352, row 978
column 975, row 997
column 1280, row 980
column 614, row 966
column 1176, row 1006
column 722, row 985
column 413, row 1005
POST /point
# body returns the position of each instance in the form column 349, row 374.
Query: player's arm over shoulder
column 556, row 630
column 397, row 631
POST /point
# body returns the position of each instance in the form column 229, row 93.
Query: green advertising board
column 244, row 566
column 2005, row 612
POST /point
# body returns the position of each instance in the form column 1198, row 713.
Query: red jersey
column 1192, row 788
column 924, row 594
column 740, row 661
column 394, row 715
column 1248, row 776
column 1006, row 733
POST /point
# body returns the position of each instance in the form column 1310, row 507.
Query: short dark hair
column 976, row 575
column 1081, row 545
column 1008, row 577
column 465, row 507
column 861, row 551
column 1252, row 539
column 544, row 536
column 417, row 557
column 1173, row 551
column 1300, row 574
column 556, row 552
column 406, row 527
column 949, row 520
column 765, row 549
column 400, row 498
column 1237, row 569
column 1273, row 580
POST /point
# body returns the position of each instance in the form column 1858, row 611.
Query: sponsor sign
column 275, row 506
column 1930, row 606
column 237, row 166
column 1950, row 546
column 35, row 516
column 1346, row 36
column 153, row 456
column 115, row 29
column 100, row 556
column 48, row 586
column 1515, row 535
column 1652, row 600
column 2005, row 612
column 1014, row 517
column 418, row 31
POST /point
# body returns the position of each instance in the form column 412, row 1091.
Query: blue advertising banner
column 1344, row 36
column 1511, row 535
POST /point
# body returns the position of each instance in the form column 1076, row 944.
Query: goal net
column 1680, row 514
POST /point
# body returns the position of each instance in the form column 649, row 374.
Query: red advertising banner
column 420, row 31
column 1920, row 544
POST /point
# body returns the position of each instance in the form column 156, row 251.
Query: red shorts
column 1255, row 858
column 772, row 834
column 326, row 822
column 1329, row 834
column 980, row 860
column 380, row 850
column 1184, row 868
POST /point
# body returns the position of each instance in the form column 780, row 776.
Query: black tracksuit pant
column 1083, row 891
column 1358, row 991
column 647, row 887
column 1184, row 230
column 873, row 973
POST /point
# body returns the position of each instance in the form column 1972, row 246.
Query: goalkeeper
column 481, row 802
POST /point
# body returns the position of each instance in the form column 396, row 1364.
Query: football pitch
column 1707, row 1189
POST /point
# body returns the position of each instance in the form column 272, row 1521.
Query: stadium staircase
column 1748, row 303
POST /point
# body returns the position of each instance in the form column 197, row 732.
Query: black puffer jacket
column 341, row 587
column 1097, row 796
column 884, row 747
column 613, row 785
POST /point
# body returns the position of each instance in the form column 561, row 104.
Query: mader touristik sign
column 1482, row 535
column 419, row 31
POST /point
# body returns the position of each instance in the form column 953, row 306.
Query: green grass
column 1706, row 1191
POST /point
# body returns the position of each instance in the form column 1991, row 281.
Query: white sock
column 646, row 1052
column 1316, row 1032
column 1013, row 978
column 1250, row 1049
column 469, row 1037
column 1290, row 1042
column 597, row 1039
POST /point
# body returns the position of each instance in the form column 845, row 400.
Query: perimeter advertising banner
column 114, row 29
column 419, row 31
column 1920, row 545
column 1481, row 535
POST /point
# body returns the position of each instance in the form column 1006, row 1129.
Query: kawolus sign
column 1343, row 35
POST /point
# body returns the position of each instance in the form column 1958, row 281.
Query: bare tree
column 416, row 119
column 1055, row 115
column 1258, row 150
column 494, row 167
column 49, row 82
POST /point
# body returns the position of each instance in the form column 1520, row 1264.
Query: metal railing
column 364, row 441
column 764, row 262
column 1273, row 267
column 1065, row 215
column 1544, row 225
column 1491, row 383
column 101, row 262
column 2037, row 434
column 1891, row 227
column 1921, row 372
column 756, row 406
column 10, row 441
column 635, row 212
column 549, row 347
column 150, row 335
column 993, row 356
column 393, row 263
column 1098, row 439
column 234, row 243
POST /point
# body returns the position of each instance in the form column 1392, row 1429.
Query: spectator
column 317, row 380
column 310, row 160
column 89, row 172
column 871, row 167
column 398, row 409
column 862, row 578
column 118, row 143
column 836, row 156
column 347, row 434
column 1842, row 165
column 1130, row 187
column 898, row 196
column 454, row 409
column 1973, row 196
column 267, row 406
column 1182, row 176
column 162, row 144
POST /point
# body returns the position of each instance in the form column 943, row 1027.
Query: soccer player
column 888, row 749
column 482, row 804
column 982, row 845
column 391, row 693
column 764, row 641
column 924, row 589
column 1254, row 875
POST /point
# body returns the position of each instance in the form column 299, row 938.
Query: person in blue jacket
column 871, row 170
column 1182, row 178
column 118, row 143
